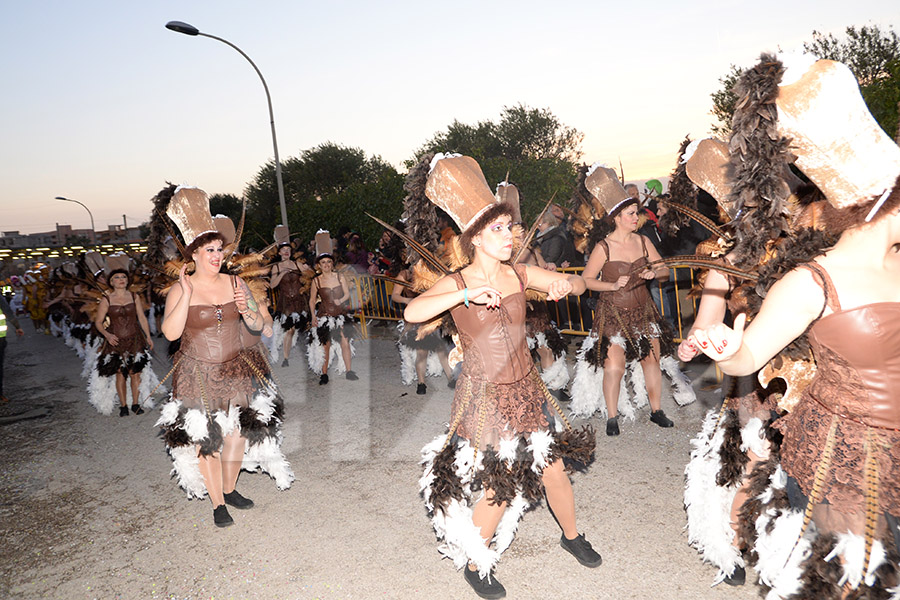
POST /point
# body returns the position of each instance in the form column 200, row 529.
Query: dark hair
column 495, row 211
column 324, row 255
column 116, row 272
column 605, row 226
column 202, row 240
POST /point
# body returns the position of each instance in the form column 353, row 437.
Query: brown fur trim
column 446, row 485
column 820, row 577
column 681, row 191
column 575, row 446
column 759, row 156
column 839, row 220
column 202, row 240
column 419, row 213
column 733, row 461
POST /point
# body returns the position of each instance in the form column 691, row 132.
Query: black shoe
column 420, row 389
column 236, row 500
column 123, row 411
column 136, row 409
column 488, row 587
column 738, row 577
column 221, row 517
column 612, row 426
column 352, row 376
column 660, row 418
column 581, row 549
column 452, row 383
column 284, row 363
column 323, row 379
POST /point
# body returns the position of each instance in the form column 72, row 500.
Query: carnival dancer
column 627, row 327
column 423, row 357
column 328, row 309
column 839, row 457
column 501, row 439
column 224, row 412
column 124, row 356
column 290, row 280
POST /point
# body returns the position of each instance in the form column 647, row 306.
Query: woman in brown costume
column 841, row 447
column 328, row 309
column 500, row 440
column 291, row 303
column 420, row 357
column 224, row 413
column 627, row 326
column 125, row 352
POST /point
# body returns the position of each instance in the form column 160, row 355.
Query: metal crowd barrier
column 573, row 316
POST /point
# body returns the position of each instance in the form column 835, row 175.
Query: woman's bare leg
column 288, row 342
column 560, row 497
column 546, row 357
column 121, row 389
column 327, row 349
column 653, row 376
column 232, row 457
column 345, row 352
column 211, row 470
column 421, row 362
column 613, row 371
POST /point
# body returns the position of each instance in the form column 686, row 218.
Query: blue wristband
column 466, row 297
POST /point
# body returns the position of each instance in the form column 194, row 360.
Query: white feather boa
column 460, row 540
column 265, row 456
column 315, row 352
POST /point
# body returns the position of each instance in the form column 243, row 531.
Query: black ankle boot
column 488, row 587
column 737, row 577
column 612, row 426
column 234, row 499
column 136, row 409
column 323, row 379
column 123, row 411
column 660, row 418
column 221, row 517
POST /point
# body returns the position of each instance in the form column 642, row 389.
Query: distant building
column 115, row 234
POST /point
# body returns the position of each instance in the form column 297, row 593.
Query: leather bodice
column 212, row 333
column 123, row 321
column 493, row 340
column 328, row 305
column 857, row 352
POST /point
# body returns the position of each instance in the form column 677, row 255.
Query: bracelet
column 244, row 312
column 466, row 297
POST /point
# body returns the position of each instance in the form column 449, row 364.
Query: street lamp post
column 93, row 230
column 187, row 29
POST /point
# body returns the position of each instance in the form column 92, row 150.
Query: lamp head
column 182, row 27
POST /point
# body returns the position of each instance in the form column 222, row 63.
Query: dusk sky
column 102, row 104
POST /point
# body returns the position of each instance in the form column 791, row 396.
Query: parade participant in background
column 224, row 412
column 627, row 327
column 290, row 280
column 501, row 438
column 328, row 297
column 423, row 357
column 841, row 440
column 124, row 356
column 8, row 321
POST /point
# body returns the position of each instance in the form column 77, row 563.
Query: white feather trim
column 102, row 393
column 682, row 390
column 195, row 425
column 185, row 465
column 708, row 506
column 509, row 523
column 753, row 438
column 539, row 446
column 168, row 413
column 587, row 386
column 267, row 456
column 635, row 374
column 779, row 565
column 556, row 376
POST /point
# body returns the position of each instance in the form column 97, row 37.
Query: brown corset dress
column 211, row 368
column 628, row 316
column 123, row 323
column 853, row 400
column 328, row 307
column 499, row 393
column 288, row 297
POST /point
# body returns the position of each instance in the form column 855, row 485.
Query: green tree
column 533, row 146
column 328, row 186
column 873, row 55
